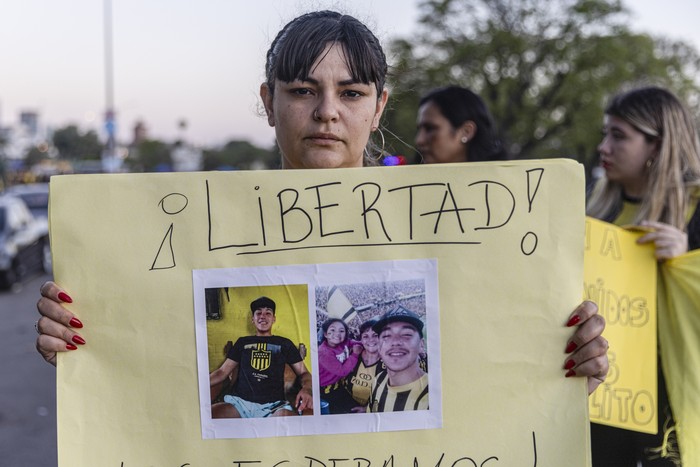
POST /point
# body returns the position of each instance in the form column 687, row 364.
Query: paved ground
column 27, row 384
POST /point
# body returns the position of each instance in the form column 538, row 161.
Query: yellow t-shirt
column 630, row 208
column 411, row 396
column 361, row 381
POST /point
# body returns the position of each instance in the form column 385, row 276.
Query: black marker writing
column 171, row 204
column 322, row 215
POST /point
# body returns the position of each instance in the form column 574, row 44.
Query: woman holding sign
column 651, row 157
column 325, row 93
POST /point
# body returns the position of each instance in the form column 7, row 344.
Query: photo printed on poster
column 366, row 332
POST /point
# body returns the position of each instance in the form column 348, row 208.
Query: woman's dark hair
column 327, row 323
column 459, row 105
column 367, row 325
column 299, row 44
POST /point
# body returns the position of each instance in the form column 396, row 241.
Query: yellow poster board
column 498, row 248
column 620, row 277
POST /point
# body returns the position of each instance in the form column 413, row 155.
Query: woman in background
column 454, row 125
column 651, row 157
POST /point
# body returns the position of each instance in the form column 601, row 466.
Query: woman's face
column 324, row 120
column 370, row 341
column 437, row 140
column 335, row 334
column 624, row 153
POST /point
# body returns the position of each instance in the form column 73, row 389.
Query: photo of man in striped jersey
column 404, row 384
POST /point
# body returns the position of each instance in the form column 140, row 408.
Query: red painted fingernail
column 64, row 297
column 570, row 373
column 71, row 347
column 569, row 364
column 574, row 320
column 75, row 322
column 78, row 340
column 571, row 347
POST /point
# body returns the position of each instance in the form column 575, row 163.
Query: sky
column 198, row 61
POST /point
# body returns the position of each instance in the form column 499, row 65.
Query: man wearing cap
column 260, row 359
column 404, row 384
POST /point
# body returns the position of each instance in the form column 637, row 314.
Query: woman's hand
column 668, row 240
column 55, row 327
column 587, row 349
column 357, row 349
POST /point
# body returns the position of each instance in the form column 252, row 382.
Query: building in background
column 21, row 137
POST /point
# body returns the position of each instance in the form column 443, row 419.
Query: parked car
column 24, row 242
column 35, row 196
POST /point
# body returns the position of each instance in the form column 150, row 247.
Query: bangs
column 297, row 54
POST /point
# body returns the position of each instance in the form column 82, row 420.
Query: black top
column 261, row 361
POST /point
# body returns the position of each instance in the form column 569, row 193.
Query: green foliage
column 35, row 156
column 544, row 67
column 74, row 145
column 151, row 156
column 240, row 155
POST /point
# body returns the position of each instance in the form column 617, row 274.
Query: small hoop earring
column 465, row 139
column 370, row 144
column 381, row 133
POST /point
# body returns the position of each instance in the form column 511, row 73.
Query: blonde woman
column 651, row 157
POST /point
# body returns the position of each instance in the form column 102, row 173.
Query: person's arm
column 587, row 349
column 328, row 360
column 56, row 326
column 220, row 374
column 304, row 399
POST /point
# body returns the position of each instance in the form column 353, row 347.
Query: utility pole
column 110, row 161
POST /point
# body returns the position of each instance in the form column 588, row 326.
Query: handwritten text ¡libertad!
column 427, row 213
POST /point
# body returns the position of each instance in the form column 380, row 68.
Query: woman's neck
column 631, row 199
column 634, row 190
column 369, row 358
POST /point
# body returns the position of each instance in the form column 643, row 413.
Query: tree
column 544, row 67
column 152, row 156
column 75, row 145
column 35, row 155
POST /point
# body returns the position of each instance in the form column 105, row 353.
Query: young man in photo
column 404, row 384
column 260, row 360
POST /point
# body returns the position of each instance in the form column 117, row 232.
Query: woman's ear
column 266, row 96
column 381, row 104
column 468, row 130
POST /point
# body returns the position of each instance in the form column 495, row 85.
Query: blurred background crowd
column 545, row 69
